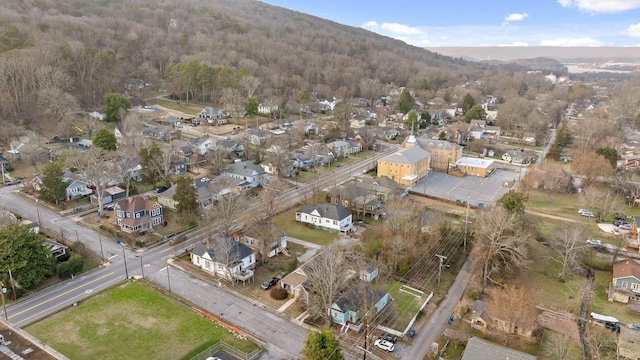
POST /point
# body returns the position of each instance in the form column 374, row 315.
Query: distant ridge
column 506, row 53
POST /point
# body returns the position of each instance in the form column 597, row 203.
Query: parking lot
column 477, row 191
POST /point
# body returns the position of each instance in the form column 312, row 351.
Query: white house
column 212, row 115
column 237, row 263
column 77, row 189
column 202, row 144
column 254, row 175
column 267, row 107
column 329, row 216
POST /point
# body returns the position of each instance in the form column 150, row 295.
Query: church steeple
column 411, row 140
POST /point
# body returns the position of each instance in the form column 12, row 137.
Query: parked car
column 13, row 182
column 580, row 211
column 160, row 189
column 588, row 214
column 389, row 337
column 49, row 142
column 626, row 226
column 618, row 222
column 269, row 283
column 281, row 275
column 616, row 232
column 595, row 243
column 384, row 345
column 109, row 207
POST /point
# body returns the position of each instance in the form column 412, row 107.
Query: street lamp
column 219, row 301
column 141, row 266
column 4, row 306
column 124, row 256
column 168, row 279
column 38, row 212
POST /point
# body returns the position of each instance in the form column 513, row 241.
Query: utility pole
column 168, row 279
column 4, row 306
column 466, row 224
column 442, row 259
column 38, row 212
column 101, row 249
column 141, row 266
column 219, row 300
column 124, row 256
column 366, row 334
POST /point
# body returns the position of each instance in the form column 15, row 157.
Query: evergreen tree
column 467, row 103
column 475, row 113
column 406, row 102
column 151, row 163
column 105, row 139
column 52, row 186
column 412, row 122
column 563, row 137
column 113, row 103
column 186, row 196
column 553, row 153
column 251, row 108
column 23, row 252
column 609, row 153
column 513, row 202
column 322, row 346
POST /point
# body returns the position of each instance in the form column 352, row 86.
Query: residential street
column 438, row 320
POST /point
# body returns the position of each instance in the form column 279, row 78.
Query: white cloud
column 515, row 43
column 515, row 17
column 633, row 30
column 572, row 42
column 400, row 29
column 370, row 25
column 601, row 6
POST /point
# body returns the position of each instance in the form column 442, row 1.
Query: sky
column 433, row 23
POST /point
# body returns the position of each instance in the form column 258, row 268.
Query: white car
column 626, row 226
column 384, row 345
column 583, row 211
column 594, row 242
column 616, row 232
column 588, row 214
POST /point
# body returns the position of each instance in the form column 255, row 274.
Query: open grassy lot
column 287, row 221
column 178, row 106
column 405, row 305
column 131, row 321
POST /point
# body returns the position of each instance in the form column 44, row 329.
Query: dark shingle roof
column 479, row 349
column 354, row 299
column 330, row 211
column 236, row 250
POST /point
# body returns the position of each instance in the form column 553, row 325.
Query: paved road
column 438, row 320
column 284, row 338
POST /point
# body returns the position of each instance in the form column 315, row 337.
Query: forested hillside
column 60, row 56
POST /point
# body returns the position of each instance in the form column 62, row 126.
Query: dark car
column 389, row 337
column 269, row 283
column 160, row 189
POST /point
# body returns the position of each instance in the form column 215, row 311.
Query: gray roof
column 237, row 251
column 478, row 309
column 354, row 299
column 245, row 168
column 428, row 144
column 329, row 211
column 479, row 349
column 407, row 156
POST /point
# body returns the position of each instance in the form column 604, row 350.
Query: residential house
column 252, row 174
column 138, row 214
column 328, row 216
column 369, row 273
column 4, row 164
column 340, row 148
column 225, row 258
column 625, row 287
column 285, row 123
column 356, row 146
column 76, row 189
column 406, row 166
column 357, row 197
column 297, row 284
column 383, row 187
column 158, row 133
column 529, row 138
column 177, row 167
column 259, row 137
column 208, row 191
column 479, row 319
column 233, row 148
column 170, row 121
column 629, row 343
column 351, row 305
column 475, row 166
column 212, row 115
column 276, row 244
column 516, row 156
column 443, row 153
column 480, row 349
column 110, row 194
column 267, row 108
column 357, row 123
column 202, row 144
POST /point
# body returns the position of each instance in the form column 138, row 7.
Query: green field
column 406, row 305
column 131, row 321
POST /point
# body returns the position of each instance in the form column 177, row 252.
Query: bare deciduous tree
column 558, row 346
column 249, row 84
column 591, row 165
column 514, row 310
column 98, row 168
column 501, row 242
column 225, row 212
column 568, row 244
column 555, row 181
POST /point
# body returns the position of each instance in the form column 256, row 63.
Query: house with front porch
column 202, row 145
column 625, row 285
column 355, row 303
column 138, row 214
column 271, row 243
column 77, row 189
column 327, row 216
column 225, row 258
column 212, row 115
column 254, row 175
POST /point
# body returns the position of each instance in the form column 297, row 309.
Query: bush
column 278, row 293
column 474, row 295
column 76, row 263
column 64, row 270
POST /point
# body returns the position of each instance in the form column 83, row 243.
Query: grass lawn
column 131, row 321
column 287, row 222
column 599, row 303
column 178, row 106
column 406, row 305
